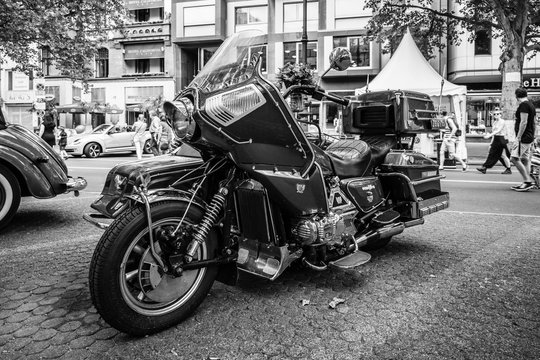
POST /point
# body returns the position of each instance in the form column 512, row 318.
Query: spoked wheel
column 92, row 150
column 130, row 289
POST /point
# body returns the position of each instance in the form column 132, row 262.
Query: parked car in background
column 105, row 139
column 29, row 167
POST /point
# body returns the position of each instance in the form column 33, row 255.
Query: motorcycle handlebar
column 317, row 92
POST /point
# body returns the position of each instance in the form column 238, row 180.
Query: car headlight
column 179, row 114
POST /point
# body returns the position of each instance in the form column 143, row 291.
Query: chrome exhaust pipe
column 381, row 233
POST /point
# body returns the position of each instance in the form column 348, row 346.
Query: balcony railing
column 148, row 74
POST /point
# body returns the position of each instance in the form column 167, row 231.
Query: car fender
column 28, row 173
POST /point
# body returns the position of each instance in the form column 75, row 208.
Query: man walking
column 155, row 131
column 521, row 150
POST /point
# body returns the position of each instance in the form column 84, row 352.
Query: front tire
column 92, row 150
column 130, row 290
column 10, row 195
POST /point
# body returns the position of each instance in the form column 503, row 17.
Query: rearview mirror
column 340, row 59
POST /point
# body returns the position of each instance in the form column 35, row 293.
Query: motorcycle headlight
column 179, row 114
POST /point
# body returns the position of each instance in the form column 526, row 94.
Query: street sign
column 39, row 106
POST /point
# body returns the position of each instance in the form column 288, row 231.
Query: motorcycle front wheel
column 129, row 288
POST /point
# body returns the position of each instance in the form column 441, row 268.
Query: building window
column 102, row 63
column 292, row 53
column 141, row 15
column 200, row 20
column 252, row 15
column 162, row 65
column 46, row 60
column 54, row 91
column 293, row 15
column 349, row 14
column 261, row 49
column 142, row 66
column 482, row 42
column 359, row 47
column 98, row 95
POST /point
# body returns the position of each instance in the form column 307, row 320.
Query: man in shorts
column 449, row 140
column 521, row 149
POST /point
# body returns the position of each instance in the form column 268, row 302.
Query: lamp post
column 304, row 33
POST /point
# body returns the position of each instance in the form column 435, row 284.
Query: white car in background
column 105, row 139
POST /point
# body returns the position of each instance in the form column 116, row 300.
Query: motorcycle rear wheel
column 130, row 290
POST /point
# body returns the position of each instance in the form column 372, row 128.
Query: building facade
column 169, row 41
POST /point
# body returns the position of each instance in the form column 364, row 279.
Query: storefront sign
column 20, row 97
column 138, row 95
column 143, row 51
column 532, row 83
column 143, row 4
column 21, row 81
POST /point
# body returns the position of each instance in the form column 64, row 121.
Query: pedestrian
column 155, row 131
column 62, row 142
column 449, row 142
column 498, row 150
column 47, row 130
column 139, row 127
column 521, row 148
column 166, row 136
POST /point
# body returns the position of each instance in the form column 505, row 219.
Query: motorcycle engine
column 329, row 229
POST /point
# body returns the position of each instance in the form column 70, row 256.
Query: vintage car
column 29, row 167
column 104, row 139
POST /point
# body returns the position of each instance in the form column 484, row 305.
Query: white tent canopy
column 407, row 69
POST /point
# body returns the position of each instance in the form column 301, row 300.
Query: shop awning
column 143, row 51
column 143, row 4
column 76, row 108
column 135, row 108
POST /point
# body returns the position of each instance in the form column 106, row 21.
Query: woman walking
column 47, row 130
column 498, row 149
column 139, row 127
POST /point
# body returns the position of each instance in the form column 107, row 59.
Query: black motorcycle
column 260, row 196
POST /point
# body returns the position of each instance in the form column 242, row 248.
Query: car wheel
column 148, row 147
column 92, row 150
column 10, row 195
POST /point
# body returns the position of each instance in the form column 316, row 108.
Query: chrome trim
column 228, row 107
column 423, row 181
column 76, row 185
column 93, row 219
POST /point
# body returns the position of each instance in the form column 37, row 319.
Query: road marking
column 491, row 214
column 481, row 181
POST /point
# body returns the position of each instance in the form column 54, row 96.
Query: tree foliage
column 515, row 22
column 73, row 30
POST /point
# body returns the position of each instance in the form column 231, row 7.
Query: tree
column 515, row 22
column 72, row 31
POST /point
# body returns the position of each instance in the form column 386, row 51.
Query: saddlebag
column 413, row 183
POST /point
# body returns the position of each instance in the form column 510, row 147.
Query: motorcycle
column 261, row 196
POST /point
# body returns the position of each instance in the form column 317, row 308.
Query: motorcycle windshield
column 231, row 64
column 244, row 114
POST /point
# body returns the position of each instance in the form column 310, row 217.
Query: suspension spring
column 209, row 219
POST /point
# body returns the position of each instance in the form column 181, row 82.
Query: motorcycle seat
column 350, row 158
column 380, row 147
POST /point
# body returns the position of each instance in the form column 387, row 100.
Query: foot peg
column 385, row 218
column 350, row 261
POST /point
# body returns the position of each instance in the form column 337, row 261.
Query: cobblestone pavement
column 459, row 289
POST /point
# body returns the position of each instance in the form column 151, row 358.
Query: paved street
column 463, row 286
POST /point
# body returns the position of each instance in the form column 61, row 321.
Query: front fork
column 201, row 232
